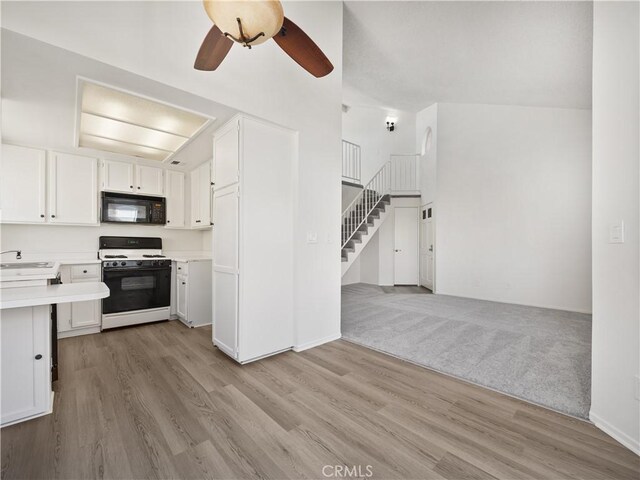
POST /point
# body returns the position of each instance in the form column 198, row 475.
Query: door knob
column 431, row 248
column 397, row 251
column 38, row 357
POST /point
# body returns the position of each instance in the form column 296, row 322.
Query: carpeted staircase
column 368, row 227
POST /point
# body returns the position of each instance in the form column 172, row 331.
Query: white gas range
column 139, row 279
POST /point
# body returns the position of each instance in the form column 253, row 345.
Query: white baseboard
column 316, row 343
column 623, row 438
column 78, row 332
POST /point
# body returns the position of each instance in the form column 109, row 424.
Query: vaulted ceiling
column 412, row 54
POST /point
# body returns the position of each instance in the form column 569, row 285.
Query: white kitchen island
column 25, row 340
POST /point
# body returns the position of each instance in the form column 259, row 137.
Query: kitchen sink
column 22, row 265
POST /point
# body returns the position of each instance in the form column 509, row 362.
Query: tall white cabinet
column 253, row 201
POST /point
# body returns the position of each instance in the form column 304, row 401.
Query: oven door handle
column 137, row 269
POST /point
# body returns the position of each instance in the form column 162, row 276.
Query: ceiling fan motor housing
column 256, row 17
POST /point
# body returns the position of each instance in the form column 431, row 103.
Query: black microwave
column 126, row 208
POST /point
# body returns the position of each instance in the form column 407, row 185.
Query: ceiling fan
column 252, row 22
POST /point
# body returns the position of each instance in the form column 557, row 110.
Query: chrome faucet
column 17, row 252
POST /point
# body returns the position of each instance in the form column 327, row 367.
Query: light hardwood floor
column 158, row 401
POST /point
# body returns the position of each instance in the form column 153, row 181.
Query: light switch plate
column 616, row 232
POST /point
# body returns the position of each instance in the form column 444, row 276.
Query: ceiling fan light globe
column 257, row 16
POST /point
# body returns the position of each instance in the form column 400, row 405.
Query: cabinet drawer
column 182, row 268
column 85, row 271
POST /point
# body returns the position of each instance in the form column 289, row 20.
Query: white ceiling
column 412, row 54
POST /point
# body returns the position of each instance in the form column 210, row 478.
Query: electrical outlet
column 312, row 237
column 616, row 232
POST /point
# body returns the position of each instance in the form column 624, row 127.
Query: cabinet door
column 226, row 155
column 226, row 270
column 22, row 185
column 182, row 292
column 117, row 176
column 85, row 314
column 149, row 180
column 196, row 221
column 174, row 191
column 64, row 309
column 205, row 193
column 73, row 189
column 26, row 363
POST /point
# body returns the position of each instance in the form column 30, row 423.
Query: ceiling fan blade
column 213, row 50
column 302, row 49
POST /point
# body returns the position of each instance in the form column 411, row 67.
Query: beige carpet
column 537, row 354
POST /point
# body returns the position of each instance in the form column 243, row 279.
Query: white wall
column 60, row 239
column 38, row 109
column 39, row 99
column 513, row 208
column 365, row 126
column 427, row 118
column 375, row 264
column 159, row 40
column 616, row 277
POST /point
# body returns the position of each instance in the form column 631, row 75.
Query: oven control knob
column 123, row 263
column 115, row 264
column 139, row 263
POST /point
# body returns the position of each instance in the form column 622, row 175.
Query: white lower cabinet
column 181, row 297
column 79, row 318
column 193, row 292
column 25, row 335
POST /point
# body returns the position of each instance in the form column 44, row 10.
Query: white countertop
column 190, row 258
column 52, row 294
column 78, row 261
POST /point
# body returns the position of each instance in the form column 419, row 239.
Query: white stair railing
column 361, row 207
column 405, row 173
column 351, row 162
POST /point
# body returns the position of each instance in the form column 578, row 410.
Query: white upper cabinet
column 130, row 178
column 201, row 196
column 73, row 189
column 117, row 176
column 22, row 185
column 226, row 155
column 174, row 191
column 149, row 180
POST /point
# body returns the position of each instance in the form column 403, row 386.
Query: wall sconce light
column 391, row 123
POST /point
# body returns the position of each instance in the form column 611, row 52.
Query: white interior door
column 406, row 246
column 427, row 247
